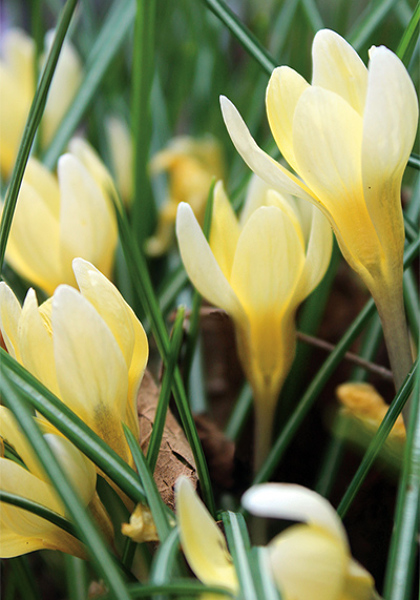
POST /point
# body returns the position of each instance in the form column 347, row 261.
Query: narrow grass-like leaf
column 409, row 38
column 414, row 161
column 321, row 379
column 34, row 118
column 179, row 588
column 77, row 587
column 88, row 533
column 377, row 441
column 262, row 576
column 312, row 14
column 404, row 541
column 239, row 546
column 176, row 281
column 164, row 561
column 165, row 391
column 38, row 509
column 154, row 501
column 245, row 37
column 70, row 425
column 369, row 21
column 194, row 323
column 143, row 210
column 142, row 284
column 240, row 413
column 107, row 44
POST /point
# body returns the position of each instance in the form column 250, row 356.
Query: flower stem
column 263, row 431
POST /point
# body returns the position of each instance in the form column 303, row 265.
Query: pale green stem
column 263, row 430
column 391, row 311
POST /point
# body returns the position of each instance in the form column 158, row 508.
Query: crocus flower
column 21, row 531
column 258, row 269
column 311, row 561
column 86, row 346
column 191, row 166
column 348, row 137
column 60, row 218
column 308, row 562
column 17, row 88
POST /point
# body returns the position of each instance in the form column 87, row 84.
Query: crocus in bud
column 347, row 136
column 258, row 268
column 191, row 166
column 60, row 218
column 17, row 89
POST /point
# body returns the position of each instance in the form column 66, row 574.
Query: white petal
column 10, row 312
column 294, row 502
column 201, row 265
column 256, row 159
column 337, row 67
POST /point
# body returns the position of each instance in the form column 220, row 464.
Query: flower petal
column 87, row 228
column 202, row 541
column 45, row 184
column 359, row 583
column 91, row 370
column 283, row 92
column 36, row 344
column 257, row 160
column 10, row 312
column 224, row 232
column 201, row 265
column 337, row 67
column 34, row 256
column 294, row 502
column 308, row 564
column 11, row 432
column 389, row 129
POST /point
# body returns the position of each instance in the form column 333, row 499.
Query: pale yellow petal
column 359, row 584
column 202, row 541
column 91, row 370
column 65, row 82
column 389, row 129
column 45, row 184
column 337, row 67
column 121, row 149
column 33, row 243
column 10, row 312
column 294, row 502
column 257, row 160
column 308, row 564
column 283, row 92
column 11, row 432
column 224, row 232
column 201, row 265
column 36, row 344
column 256, row 196
column 79, row 470
column 87, row 227
column 19, row 53
column 123, row 323
column 325, row 122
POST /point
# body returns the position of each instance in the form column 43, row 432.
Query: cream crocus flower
column 311, row 561
column 86, row 346
column 17, row 88
column 21, row 531
column 58, row 218
column 258, row 269
column 347, row 136
column 191, row 166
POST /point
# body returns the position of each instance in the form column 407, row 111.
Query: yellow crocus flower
column 17, row 88
column 258, row 269
column 60, row 218
column 86, row 346
column 21, row 531
column 308, row 562
column 348, row 137
column 191, row 166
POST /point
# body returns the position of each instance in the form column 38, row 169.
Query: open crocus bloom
column 87, row 347
column 310, row 561
column 17, row 88
column 202, row 541
column 22, row 531
column 191, row 166
column 60, row 218
column 348, row 137
column 258, row 269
